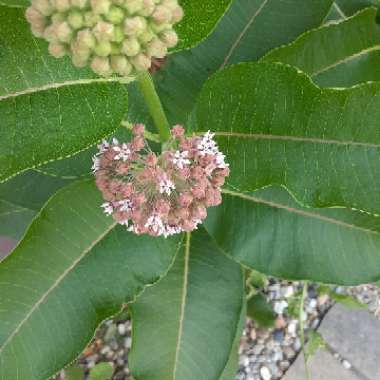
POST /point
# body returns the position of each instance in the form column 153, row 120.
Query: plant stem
column 302, row 329
column 154, row 104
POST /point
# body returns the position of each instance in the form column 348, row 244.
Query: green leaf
column 231, row 368
column 257, row 279
column 31, row 189
column 74, row 373
column 51, row 124
column 22, row 197
column 25, row 62
column 315, row 342
column 190, row 69
column 261, row 311
column 184, row 327
column 14, row 219
column 199, row 21
column 276, row 127
column 336, row 55
column 349, row 7
column 102, row 371
column 348, row 301
column 248, row 30
column 270, row 232
column 73, row 269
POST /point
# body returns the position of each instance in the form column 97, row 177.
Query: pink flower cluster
column 160, row 195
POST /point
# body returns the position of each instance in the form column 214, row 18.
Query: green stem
column 154, row 104
column 302, row 329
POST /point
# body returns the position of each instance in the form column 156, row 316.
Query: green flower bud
column 141, row 62
column 146, row 36
column 157, row 48
column 162, row 15
column 112, row 36
column 103, row 31
column 133, row 6
column 86, row 39
column 159, row 28
column 43, row 6
column 79, row 50
column 177, row 14
column 75, row 20
column 101, row 6
column 34, row 16
column 134, row 26
column 91, row 19
column 64, row 32
column 103, row 48
column 101, row 66
column 57, row 50
column 115, row 48
column 57, row 18
column 62, row 5
column 121, row 65
column 147, row 8
column 79, row 61
column 131, row 47
column 50, row 33
column 118, row 34
column 38, row 30
column 115, row 15
column 170, row 4
column 81, row 4
column 170, row 38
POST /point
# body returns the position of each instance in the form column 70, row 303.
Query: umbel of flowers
column 160, row 195
column 111, row 36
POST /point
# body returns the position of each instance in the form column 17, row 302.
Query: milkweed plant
column 156, row 153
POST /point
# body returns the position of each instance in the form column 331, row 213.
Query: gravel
column 265, row 354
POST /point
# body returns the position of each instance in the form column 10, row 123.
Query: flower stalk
column 154, row 105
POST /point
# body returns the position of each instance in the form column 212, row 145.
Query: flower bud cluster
column 160, row 195
column 111, row 36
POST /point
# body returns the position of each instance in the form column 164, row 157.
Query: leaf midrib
column 292, row 210
column 183, row 302
column 55, row 285
column 49, row 86
column 243, row 33
column 313, row 140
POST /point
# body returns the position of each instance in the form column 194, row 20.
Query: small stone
column 323, row 299
column 280, row 306
column 280, row 322
column 257, row 349
column 288, row 291
column 244, row 361
column 265, row 373
column 297, row 344
column 278, row 356
column 315, row 323
column 292, row 327
column 278, row 335
column 121, row 329
column 284, row 365
column 289, row 352
column 346, row 364
column 262, row 334
column 128, row 342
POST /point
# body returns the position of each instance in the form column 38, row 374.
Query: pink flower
column 178, row 131
column 160, row 195
column 138, row 129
